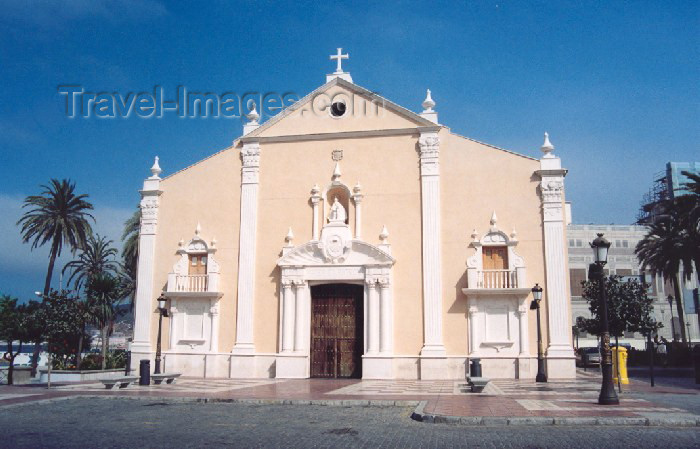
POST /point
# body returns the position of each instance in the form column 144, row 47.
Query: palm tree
column 130, row 237
column 104, row 295
column 130, row 255
column 97, row 257
column 664, row 249
column 57, row 215
column 60, row 216
column 689, row 208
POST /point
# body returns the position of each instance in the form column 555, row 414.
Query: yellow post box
column 620, row 353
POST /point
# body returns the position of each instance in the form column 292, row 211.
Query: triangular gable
column 300, row 118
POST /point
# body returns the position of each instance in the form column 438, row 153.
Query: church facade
column 365, row 241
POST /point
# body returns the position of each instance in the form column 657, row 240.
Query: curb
column 206, row 400
column 420, row 415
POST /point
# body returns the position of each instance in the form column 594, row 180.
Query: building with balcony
column 622, row 261
column 349, row 237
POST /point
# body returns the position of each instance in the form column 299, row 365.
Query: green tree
column 664, row 250
column 63, row 317
column 104, row 294
column 96, row 257
column 60, row 216
column 630, row 309
column 13, row 328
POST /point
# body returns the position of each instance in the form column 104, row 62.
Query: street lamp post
column 607, row 390
column 162, row 311
column 535, row 305
column 673, row 325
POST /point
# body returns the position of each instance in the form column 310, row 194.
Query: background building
column 622, row 260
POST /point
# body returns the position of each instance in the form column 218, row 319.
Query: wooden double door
column 336, row 331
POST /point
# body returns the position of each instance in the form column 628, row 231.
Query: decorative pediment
column 196, row 245
column 358, row 253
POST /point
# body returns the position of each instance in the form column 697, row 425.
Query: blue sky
column 615, row 84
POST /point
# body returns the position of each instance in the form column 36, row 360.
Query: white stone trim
column 250, row 154
column 429, row 145
column 144, row 300
column 495, row 237
column 557, row 298
column 307, row 265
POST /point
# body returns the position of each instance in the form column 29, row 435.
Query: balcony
column 496, row 281
column 193, row 284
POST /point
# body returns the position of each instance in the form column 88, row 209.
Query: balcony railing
column 193, row 283
column 497, row 279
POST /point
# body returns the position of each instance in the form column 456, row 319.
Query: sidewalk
column 512, row 402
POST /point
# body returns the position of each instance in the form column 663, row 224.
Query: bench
column 169, row 378
column 478, row 383
column 123, row 382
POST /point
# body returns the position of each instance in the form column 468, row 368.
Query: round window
column 338, row 109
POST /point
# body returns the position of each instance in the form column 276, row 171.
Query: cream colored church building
column 348, row 236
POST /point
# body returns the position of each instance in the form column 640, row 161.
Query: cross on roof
column 339, row 57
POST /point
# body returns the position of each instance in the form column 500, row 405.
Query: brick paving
column 502, row 398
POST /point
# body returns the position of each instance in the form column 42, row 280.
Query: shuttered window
column 576, row 276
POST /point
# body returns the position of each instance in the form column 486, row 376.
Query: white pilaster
column 559, row 351
column 523, row 328
column 429, row 144
column 288, row 316
column 473, row 344
column 315, row 198
column 145, row 298
column 386, row 328
column 214, row 313
column 373, row 316
column 357, row 198
column 250, row 153
column 300, row 290
column 174, row 321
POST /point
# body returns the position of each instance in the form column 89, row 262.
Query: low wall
column 77, row 376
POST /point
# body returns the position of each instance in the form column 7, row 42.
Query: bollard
column 696, row 362
column 127, row 367
column 475, row 368
column 620, row 353
column 145, row 372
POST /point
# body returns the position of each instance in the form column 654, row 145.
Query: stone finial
column 336, row 172
column 514, row 235
column 315, row 190
column 155, row 169
column 181, row 243
column 384, row 236
column 475, row 236
column 289, row 238
column 428, row 103
column 198, row 229
column 494, row 221
column 213, row 242
column 547, row 146
column 357, row 189
column 253, row 115
column 253, row 118
column 428, row 112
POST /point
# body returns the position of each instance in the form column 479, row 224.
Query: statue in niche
column 337, row 213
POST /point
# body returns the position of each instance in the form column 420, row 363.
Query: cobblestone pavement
column 122, row 423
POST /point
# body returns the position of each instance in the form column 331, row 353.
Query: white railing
column 191, row 283
column 498, row 279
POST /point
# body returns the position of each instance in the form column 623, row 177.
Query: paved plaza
column 363, row 406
